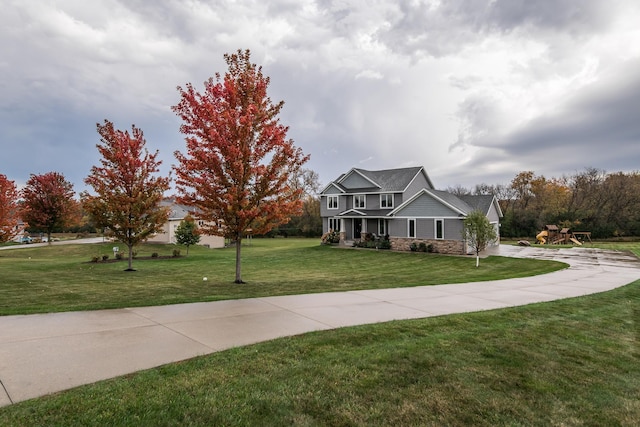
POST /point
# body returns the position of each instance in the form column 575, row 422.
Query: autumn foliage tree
column 9, row 209
column 128, row 192
column 238, row 160
column 48, row 202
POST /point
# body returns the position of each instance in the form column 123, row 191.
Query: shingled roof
column 387, row 180
column 481, row 202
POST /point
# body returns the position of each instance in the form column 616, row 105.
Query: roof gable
column 357, row 179
column 432, row 203
column 333, row 188
column 483, row 203
column 381, row 181
column 177, row 211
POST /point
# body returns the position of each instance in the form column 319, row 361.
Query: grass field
column 566, row 363
column 62, row 278
column 570, row 362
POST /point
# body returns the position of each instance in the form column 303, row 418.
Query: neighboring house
column 176, row 214
column 20, row 232
column 403, row 205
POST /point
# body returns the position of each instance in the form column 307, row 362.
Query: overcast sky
column 474, row 91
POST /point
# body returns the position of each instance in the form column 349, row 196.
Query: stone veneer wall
column 454, row 247
column 343, row 237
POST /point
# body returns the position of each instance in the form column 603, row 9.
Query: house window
column 332, row 202
column 359, row 201
column 411, row 226
column 382, row 227
column 439, row 231
column 386, row 201
column 334, row 224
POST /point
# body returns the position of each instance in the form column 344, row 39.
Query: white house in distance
column 176, row 214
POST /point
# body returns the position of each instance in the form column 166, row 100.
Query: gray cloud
column 599, row 125
column 383, row 83
column 450, row 26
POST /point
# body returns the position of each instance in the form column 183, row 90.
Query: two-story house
column 403, row 205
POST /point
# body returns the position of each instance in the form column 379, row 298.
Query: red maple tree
column 9, row 210
column 128, row 192
column 238, row 160
column 48, row 202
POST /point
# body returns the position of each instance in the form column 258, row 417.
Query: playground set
column 555, row 236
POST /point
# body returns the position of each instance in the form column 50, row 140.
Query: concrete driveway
column 55, row 243
column 46, row 353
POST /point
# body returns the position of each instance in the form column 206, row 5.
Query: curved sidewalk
column 46, row 353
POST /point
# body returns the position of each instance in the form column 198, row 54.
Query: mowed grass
column 572, row 362
column 62, row 278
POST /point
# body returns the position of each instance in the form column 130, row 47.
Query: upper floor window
column 386, row 201
column 332, row 202
column 359, row 201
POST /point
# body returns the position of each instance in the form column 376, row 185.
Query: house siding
column 493, row 214
column 419, row 183
column 356, row 181
column 426, row 203
column 373, row 201
column 324, row 211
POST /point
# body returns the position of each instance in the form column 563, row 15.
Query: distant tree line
column 606, row 204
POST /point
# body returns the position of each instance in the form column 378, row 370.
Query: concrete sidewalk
column 46, row 353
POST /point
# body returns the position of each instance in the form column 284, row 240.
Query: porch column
column 343, row 231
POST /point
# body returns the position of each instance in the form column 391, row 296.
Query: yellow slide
column 541, row 237
column 576, row 241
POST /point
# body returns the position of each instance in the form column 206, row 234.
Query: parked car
column 26, row 240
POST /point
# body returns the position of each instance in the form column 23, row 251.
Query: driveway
column 55, row 243
column 46, row 353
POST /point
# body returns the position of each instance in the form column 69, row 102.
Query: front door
column 357, row 228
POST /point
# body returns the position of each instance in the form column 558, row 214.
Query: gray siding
column 332, row 190
column 425, row 228
column 355, row 180
column 373, row 201
column 493, row 214
column 372, row 225
column 426, row 205
column 453, row 229
column 418, row 184
column 324, row 211
column 398, row 227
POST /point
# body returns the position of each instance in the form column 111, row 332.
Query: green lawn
column 568, row 362
column 571, row 362
column 62, row 278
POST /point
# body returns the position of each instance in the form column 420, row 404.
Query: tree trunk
column 477, row 258
column 238, row 260
column 130, row 257
column 49, row 237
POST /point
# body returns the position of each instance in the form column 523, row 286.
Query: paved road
column 55, row 243
column 46, row 353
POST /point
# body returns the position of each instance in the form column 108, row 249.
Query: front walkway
column 46, row 353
